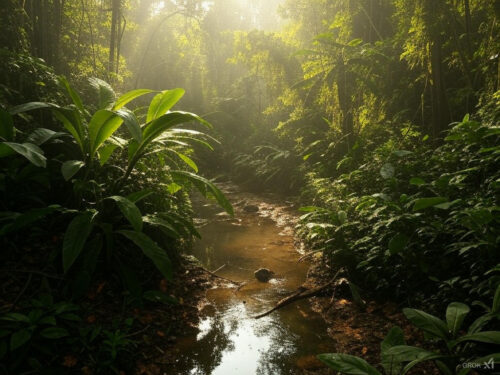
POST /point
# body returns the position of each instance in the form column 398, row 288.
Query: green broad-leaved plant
column 107, row 213
column 474, row 347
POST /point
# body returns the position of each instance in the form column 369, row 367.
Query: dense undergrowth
column 426, row 226
column 98, row 192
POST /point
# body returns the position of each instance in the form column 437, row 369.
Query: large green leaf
column 70, row 119
column 421, row 356
column 131, row 122
column 72, row 123
column 152, row 251
column 105, row 94
column 417, row 181
column 75, row 237
column 348, row 364
column 29, row 107
column 129, row 210
column 480, row 322
column 186, row 159
column 422, row 203
column 30, row 151
column 180, row 223
column 455, row 315
column 26, row 218
column 427, row 322
column 162, row 102
column 41, row 135
column 140, row 195
column 489, row 337
column 129, row 96
column 165, row 122
column 155, row 129
column 495, row 308
column 102, row 126
column 54, row 333
column 405, row 353
column 202, row 184
column 390, row 363
column 70, row 168
column 163, row 224
column 19, row 338
column 105, row 152
column 72, row 93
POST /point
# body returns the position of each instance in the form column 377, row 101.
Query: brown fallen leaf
column 163, row 286
column 69, row 361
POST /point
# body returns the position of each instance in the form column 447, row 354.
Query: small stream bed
column 229, row 340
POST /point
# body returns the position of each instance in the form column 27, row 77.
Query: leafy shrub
column 269, row 165
column 426, row 224
column 457, row 353
column 101, row 197
column 38, row 336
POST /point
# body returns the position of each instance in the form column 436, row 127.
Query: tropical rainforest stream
column 230, row 340
column 161, row 159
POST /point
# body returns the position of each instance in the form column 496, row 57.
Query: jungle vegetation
column 381, row 116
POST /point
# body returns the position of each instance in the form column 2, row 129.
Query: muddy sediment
column 228, row 340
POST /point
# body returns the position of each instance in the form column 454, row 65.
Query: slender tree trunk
column 344, row 82
column 115, row 17
column 121, row 31
column 439, row 103
column 58, row 15
column 440, row 115
column 46, row 33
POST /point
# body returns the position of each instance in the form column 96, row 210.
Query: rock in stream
column 263, row 275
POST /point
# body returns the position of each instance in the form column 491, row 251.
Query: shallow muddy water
column 229, row 340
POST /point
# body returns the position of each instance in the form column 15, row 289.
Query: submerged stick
column 218, row 269
column 220, row 277
column 299, row 294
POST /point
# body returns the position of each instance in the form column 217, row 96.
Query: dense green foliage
column 92, row 174
column 427, row 224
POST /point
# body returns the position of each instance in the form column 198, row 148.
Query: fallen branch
column 220, row 277
column 299, row 294
column 218, row 269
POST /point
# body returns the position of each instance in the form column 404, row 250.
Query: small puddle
column 229, row 340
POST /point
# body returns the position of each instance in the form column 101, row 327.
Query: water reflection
column 229, row 340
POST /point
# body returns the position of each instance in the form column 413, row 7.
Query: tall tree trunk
column 440, row 112
column 115, row 17
column 58, row 15
column 439, row 102
column 344, row 82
